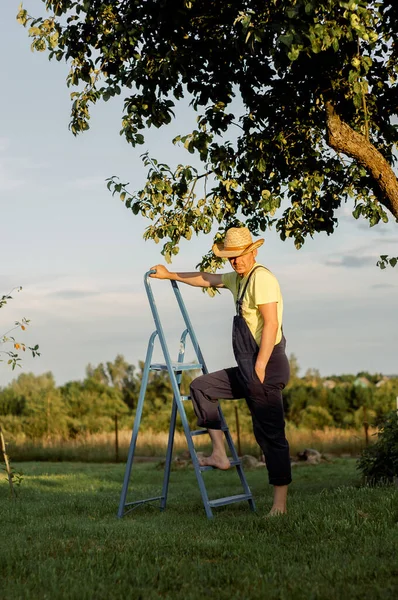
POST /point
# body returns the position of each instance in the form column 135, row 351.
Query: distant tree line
column 34, row 406
column 343, row 401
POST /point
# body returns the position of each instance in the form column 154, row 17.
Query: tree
column 119, row 374
column 312, row 377
column 92, row 404
column 295, row 103
column 43, row 411
column 294, row 369
column 337, row 404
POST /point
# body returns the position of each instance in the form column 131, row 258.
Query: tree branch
column 342, row 138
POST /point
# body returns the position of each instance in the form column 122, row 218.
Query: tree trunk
column 7, row 463
column 342, row 138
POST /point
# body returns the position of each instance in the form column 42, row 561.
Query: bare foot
column 215, row 461
column 277, row 512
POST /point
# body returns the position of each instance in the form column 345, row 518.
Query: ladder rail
column 136, row 426
column 162, row 338
column 176, row 391
column 156, row 318
column 189, row 326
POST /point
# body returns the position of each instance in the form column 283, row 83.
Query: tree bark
column 342, row 138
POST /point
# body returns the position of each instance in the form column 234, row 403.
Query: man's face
column 243, row 264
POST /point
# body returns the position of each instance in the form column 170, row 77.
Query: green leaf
column 309, row 7
column 357, row 211
column 286, row 39
column 292, row 12
column 261, row 165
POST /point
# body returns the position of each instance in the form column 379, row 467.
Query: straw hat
column 238, row 241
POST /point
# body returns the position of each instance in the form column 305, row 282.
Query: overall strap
column 239, row 298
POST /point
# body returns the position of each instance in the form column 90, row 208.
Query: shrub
column 379, row 462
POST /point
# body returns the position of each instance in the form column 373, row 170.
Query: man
column 259, row 349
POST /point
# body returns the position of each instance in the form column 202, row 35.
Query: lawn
column 61, row 538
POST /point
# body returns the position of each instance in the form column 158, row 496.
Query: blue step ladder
column 175, row 370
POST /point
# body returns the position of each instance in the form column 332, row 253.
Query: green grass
column 61, row 538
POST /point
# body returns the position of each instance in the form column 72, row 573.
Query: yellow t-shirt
column 263, row 288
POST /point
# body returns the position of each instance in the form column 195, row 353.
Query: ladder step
column 229, row 500
column 199, row 432
column 176, row 366
column 185, row 398
column 233, row 463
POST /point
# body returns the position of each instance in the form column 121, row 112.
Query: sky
column 80, row 257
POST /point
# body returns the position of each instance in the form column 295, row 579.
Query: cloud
column 382, row 286
column 386, row 240
column 12, row 165
column 26, row 162
column 88, row 183
column 4, row 144
column 71, row 294
column 351, row 262
column 8, row 182
column 76, row 299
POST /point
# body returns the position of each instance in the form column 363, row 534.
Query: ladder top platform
column 176, row 366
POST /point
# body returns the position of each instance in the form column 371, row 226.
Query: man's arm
column 268, row 337
column 196, row 278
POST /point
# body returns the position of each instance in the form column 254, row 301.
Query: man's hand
column 197, row 278
column 260, row 370
column 161, row 272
